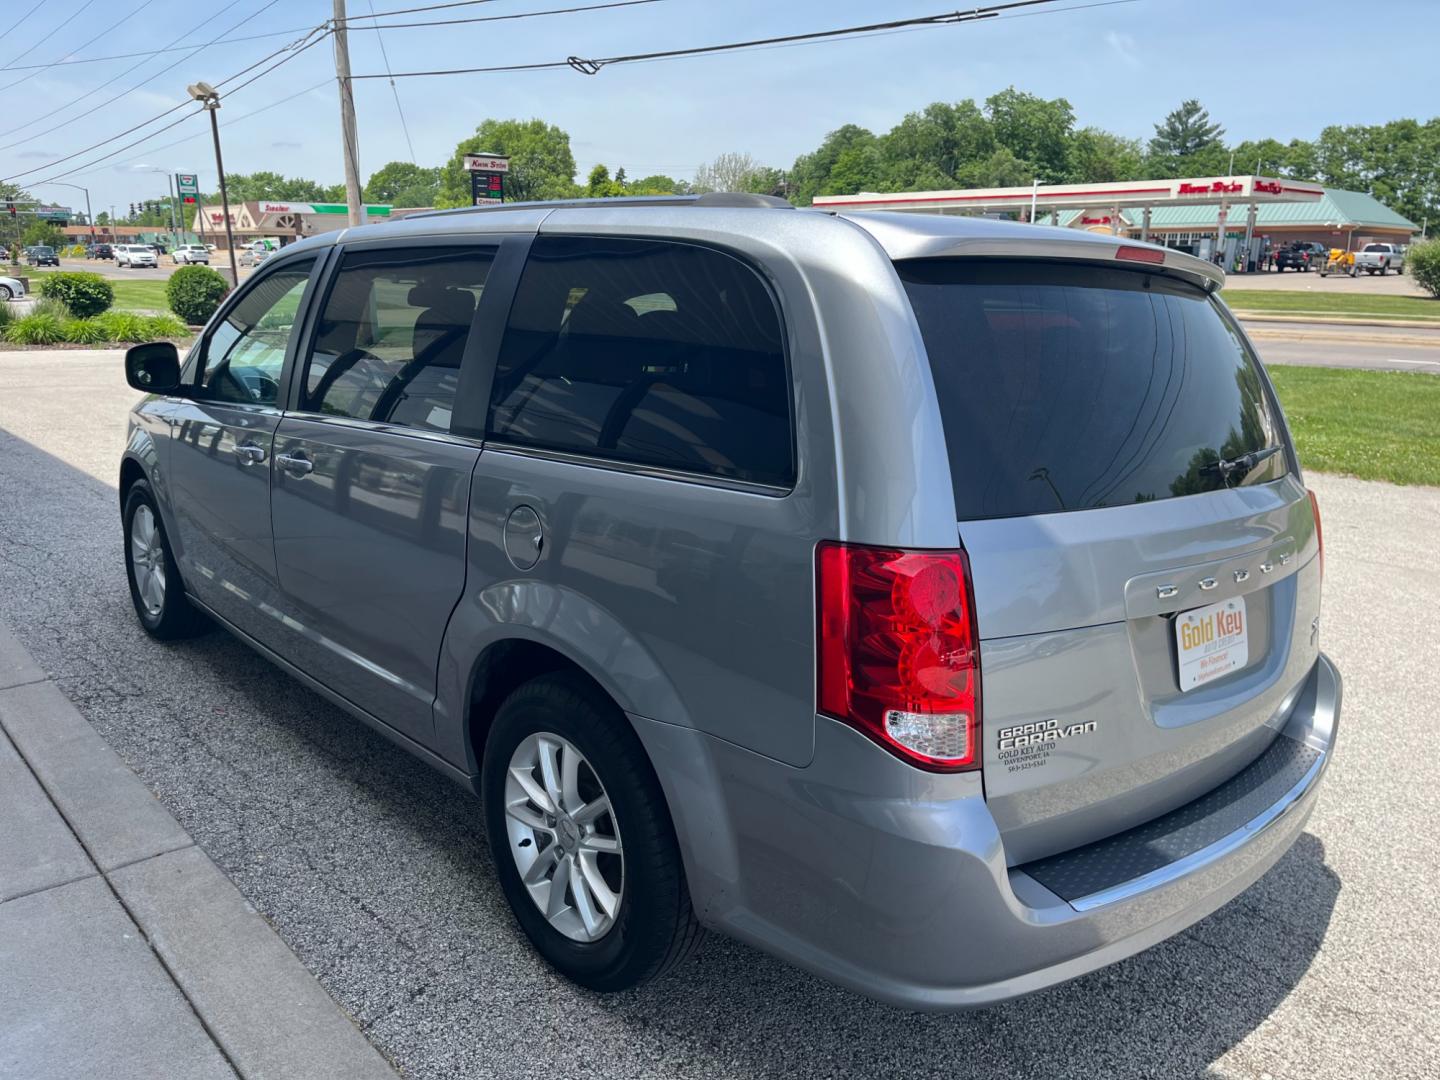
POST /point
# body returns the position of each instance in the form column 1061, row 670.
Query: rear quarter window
column 1066, row 387
column 652, row 353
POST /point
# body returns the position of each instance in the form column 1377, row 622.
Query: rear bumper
column 893, row 882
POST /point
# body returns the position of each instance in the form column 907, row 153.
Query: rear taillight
column 898, row 651
column 1319, row 533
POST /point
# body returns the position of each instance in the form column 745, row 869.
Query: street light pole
column 89, row 217
column 210, row 101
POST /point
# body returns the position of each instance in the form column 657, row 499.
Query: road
column 374, row 870
column 1378, row 348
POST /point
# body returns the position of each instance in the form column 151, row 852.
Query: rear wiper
column 1241, row 466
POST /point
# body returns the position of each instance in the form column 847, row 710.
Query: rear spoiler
column 1047, row 243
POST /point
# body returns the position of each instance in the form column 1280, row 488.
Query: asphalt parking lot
column 375, row 871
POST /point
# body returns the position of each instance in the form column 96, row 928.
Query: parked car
column 11, row 289
column 253, row 256
column 190, row 253
column 1301, row 255
column 133, row 255
column 931, row 601
column 1380, row 259
column 41, row 255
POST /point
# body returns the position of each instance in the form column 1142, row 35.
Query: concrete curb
column 1406, row 341
column 259, row 1005
column 1336, row 320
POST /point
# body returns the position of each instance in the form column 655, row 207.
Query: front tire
column 5, row 293
column 582, row 839
column 155, row 586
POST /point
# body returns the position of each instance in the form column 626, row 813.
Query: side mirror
column 153, row 368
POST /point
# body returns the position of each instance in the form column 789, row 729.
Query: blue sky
column 1121, row 65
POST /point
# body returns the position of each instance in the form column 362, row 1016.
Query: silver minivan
column 933, row 602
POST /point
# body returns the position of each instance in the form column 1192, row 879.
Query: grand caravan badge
column 1042, row 732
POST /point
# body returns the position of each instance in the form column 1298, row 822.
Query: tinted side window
column 246, row 350
column 392, row 333
column 647, row 352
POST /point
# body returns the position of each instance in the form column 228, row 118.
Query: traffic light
column 132, row 209
column 10, row 207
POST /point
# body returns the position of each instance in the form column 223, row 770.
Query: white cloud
column 1125, row 47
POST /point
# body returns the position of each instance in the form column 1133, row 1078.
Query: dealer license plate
column 1212, row 641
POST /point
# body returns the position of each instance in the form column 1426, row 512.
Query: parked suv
column 931, row 601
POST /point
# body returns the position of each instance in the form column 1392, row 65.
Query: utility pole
column 349, row 141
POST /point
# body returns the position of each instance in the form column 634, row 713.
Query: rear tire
column 5, row 293
column 652, row 926
column 155, row 586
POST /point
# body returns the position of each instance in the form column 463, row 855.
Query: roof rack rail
column 737, row 199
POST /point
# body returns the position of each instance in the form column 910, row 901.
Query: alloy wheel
column 147, row 561
column 563, row 837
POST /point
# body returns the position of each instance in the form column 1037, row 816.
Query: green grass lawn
column 1378, row 425
column 1282, row 302
column 134, row 294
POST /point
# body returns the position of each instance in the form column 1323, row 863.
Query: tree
column 1098, row 157
column 403, row 184
column 259, row 186
column 1034, row 130
column 43, row 232
column 600, row 186
column 1187, row 135
column 810, row 175
column 657, row 184
column 927, row 149
column 1267, row 157
column 541, row 164
column 728, row 172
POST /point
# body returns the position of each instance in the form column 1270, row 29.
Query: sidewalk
column 124, row 951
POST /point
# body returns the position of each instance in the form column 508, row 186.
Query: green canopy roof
column 1338, row 208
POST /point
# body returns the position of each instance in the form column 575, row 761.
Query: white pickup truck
column 1379, row 258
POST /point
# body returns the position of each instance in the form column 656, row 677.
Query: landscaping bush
column 84, row 293
column 124, row 326
column 194, row 292
column 50, row 306
column 7, row 315
column 1423, row 262
column 37, row 328
column 165, row 326
column 85, row 332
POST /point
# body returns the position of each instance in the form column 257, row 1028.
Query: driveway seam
column 105, row 877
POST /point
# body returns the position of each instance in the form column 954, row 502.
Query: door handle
column 249, row 453
column 296, row 464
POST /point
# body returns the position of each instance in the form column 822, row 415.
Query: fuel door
column 524, row 538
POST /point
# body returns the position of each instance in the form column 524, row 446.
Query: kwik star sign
column 487, row 178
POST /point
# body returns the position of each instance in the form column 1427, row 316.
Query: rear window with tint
column 1074, row 387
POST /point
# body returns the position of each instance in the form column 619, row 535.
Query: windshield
column 1065, row 387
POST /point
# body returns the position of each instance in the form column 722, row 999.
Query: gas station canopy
column 1049, row 198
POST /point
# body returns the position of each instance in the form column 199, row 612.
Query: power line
column 395, row 90
column 294, row 49
column 506, row 18
column 154, row 52
column 16, row 24
column 87, row 44
column 429, row 7
column 116, row 78
column 55, row 30
column 592, row 66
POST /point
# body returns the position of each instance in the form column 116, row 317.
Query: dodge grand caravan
column 933, row 602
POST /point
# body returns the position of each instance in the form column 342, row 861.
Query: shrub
column 124, row 326
column 85, row 294
column 1423, row 262
column 165, row 326
column 37, row 328
column 7, row 316
column 75, row 251
column 50, row 306
column 85, row 332
column 194, row 292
